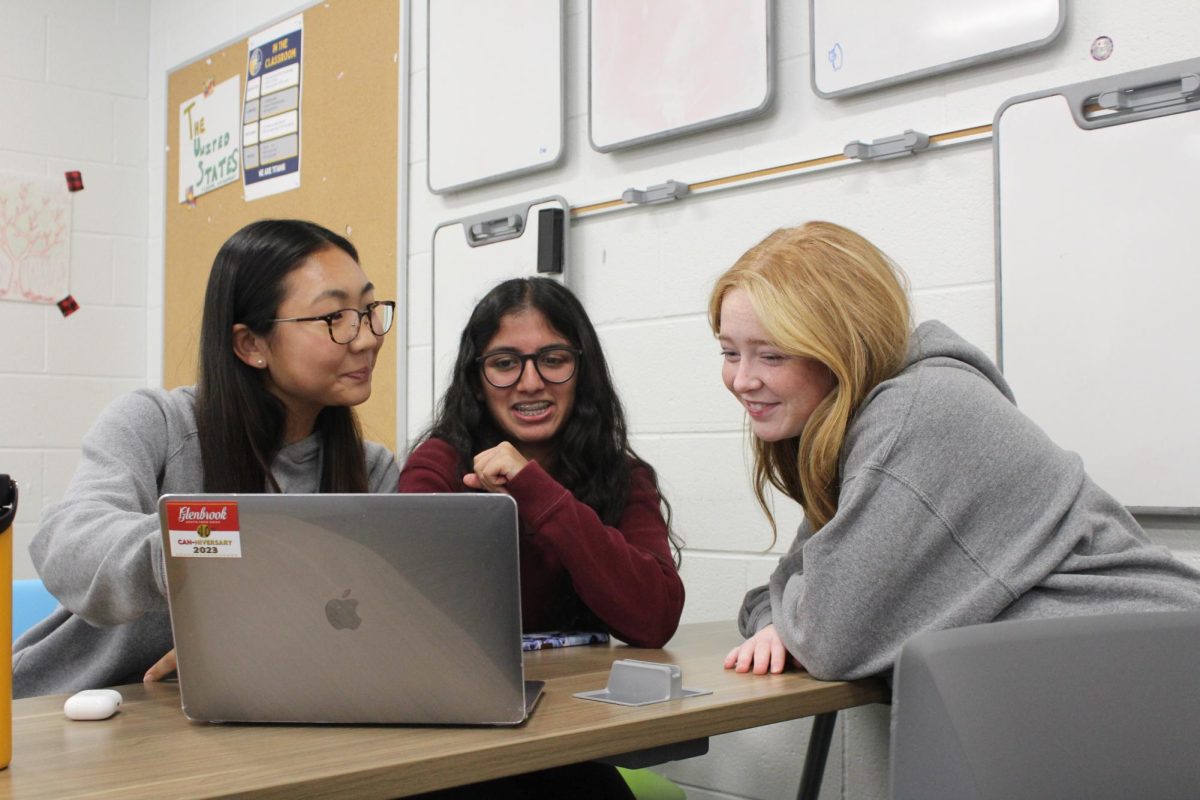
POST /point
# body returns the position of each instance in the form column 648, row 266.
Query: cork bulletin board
column 349, row 141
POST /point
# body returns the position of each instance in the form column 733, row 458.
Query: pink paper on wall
column 35, row 239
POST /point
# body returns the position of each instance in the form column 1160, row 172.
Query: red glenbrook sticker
column 204, row 530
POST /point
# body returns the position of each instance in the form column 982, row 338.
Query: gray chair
column 1092, row 707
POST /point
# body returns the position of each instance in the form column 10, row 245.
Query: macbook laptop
column 346, row 608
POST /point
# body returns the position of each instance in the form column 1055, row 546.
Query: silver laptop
column 350, row 608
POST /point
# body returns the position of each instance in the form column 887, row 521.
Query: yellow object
column 8, row 510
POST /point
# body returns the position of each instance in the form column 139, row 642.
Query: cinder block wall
column 73, row 88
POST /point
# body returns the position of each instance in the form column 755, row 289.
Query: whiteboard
column 1099, row 280
column 465, row 268
column 664, row 68
column 860, row 45
column 507, row 121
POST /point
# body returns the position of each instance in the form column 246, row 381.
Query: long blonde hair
column 823, row 292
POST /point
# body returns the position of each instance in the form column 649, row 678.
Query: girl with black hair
column 289, row 338
column 532, row 411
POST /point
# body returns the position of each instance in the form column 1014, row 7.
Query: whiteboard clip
column 662, row 193
column 1143, row 98
column 905, row 144
column 499, row 228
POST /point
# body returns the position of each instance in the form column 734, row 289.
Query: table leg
column 819, row 740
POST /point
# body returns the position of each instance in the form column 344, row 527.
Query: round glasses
column 504, row 368
column 344, row 323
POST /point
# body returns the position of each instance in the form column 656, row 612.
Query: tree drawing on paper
column 35, row 236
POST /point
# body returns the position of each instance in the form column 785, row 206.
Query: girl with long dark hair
column 289, row 339
column 531, row 411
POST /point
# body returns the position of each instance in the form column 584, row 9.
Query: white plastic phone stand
column 640, row 683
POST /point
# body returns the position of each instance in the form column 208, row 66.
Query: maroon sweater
column 624, row 575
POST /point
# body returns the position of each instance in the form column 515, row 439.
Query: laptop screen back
column 346, row 608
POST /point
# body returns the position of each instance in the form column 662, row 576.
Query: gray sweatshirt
column 99, row 551
column 955, row 509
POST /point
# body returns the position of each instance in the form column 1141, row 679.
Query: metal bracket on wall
column 1142, row 98
column 662, row 193
column 499, row 228
column 628, row 199
column 899, row 146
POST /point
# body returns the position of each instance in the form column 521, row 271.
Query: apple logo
column 342, row 612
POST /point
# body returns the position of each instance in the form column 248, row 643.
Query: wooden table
column 149, row 749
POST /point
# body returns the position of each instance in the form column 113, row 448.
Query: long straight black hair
column 592, row 456
column 240, row 423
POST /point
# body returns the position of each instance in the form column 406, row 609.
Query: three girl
column 930, row 501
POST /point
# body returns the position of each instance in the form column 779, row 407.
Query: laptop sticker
column 204, row 530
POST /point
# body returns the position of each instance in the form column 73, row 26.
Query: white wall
column 82, row 86
column 73, row 85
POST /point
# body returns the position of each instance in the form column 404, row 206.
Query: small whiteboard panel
column 859, row 45
column 1098, row 281
column 662, row 68
column 463, row 273
column 490, row 124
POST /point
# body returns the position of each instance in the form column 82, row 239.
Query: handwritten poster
column 271, row 110
column 35, row 238
column 208, row 140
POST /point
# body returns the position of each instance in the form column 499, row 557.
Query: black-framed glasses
column 343, row 323
column 556, row 364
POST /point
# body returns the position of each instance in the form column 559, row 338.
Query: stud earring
column 260, row 362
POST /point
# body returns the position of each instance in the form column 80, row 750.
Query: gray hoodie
column 99, row 551
column 955, row 509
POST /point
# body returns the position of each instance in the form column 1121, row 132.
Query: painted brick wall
column 73, row 88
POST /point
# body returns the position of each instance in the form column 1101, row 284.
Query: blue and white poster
column 271, row 110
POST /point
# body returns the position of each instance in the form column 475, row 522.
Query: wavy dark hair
column 240, row 423
column 592, row 456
